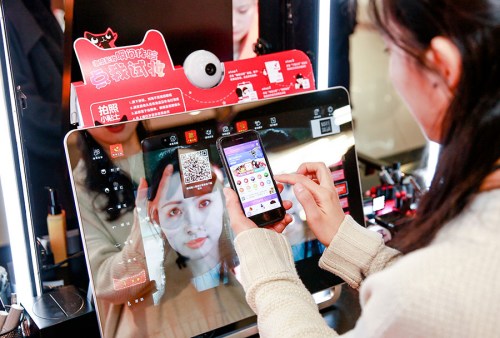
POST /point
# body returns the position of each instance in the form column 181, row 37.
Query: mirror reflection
column 153, row 216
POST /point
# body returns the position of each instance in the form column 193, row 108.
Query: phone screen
column 252, row 177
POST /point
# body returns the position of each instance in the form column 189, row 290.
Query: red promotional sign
column 139, row 82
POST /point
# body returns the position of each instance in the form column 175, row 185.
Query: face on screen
column 193, row 225
column 252, row 178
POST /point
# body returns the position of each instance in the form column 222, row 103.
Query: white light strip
column 433, row 150
column 323, row 44
column 11, row 191
column 11, row 198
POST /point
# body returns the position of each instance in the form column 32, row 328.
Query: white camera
column 203, row 69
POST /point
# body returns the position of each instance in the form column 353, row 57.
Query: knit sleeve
column 273, row 289
column 356, row 252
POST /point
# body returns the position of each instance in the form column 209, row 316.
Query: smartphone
column 250, row 175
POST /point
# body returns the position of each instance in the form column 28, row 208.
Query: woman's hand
column 152, row 207
column 239, row 222
column 313, row 186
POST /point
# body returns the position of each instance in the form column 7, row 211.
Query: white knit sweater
column 450, row 288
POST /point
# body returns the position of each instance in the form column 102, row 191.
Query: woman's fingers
column 290, row 178
column 287, row 204
column 232, row 204
column 318, row 171
column 280, row 187
column 153, row 204
column 281, row 225
column 313, row 186
column 298, row 178
column 165, row 177
column 307, row 192
column 308, row 201
column 239, row 222
column 323, row 212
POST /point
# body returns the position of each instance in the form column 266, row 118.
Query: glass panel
column 173, row 261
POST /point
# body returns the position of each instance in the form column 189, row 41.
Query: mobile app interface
column 252, row 178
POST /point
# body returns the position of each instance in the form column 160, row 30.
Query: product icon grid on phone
column 251, row 175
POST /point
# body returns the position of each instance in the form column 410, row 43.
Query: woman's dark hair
column 95, row 181
column 469, row 136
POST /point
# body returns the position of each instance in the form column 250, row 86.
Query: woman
column 245, row 28
column 444, row 280
column 106, row 179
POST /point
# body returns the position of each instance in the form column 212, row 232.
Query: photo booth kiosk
column 313, row 126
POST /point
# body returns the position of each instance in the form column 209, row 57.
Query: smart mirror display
column 157, row 238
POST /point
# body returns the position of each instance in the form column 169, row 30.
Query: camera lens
column 210, row 69
column 164, row 140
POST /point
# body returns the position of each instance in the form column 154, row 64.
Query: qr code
column 326, row 126
column 195, row 166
